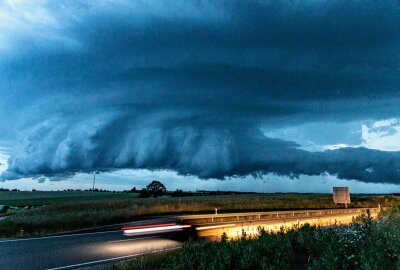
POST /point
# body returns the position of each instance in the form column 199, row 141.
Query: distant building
column 341, row 195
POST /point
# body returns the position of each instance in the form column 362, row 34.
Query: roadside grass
column 106, row 210
column 364, row 244
column 145, row 262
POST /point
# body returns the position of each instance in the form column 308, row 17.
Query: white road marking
column 55, row 236
column 111, row 259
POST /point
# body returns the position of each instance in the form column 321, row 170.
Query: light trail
column 157, row 228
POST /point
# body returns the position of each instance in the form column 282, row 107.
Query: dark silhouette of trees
column 144, row 193
column 156, row 189
column 177, row 193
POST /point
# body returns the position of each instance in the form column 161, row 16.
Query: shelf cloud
column 91, row 86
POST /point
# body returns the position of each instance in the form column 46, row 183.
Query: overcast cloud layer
column 194, row 86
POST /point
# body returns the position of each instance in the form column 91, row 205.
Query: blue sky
column 232, row 95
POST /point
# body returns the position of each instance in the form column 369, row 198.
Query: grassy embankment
column 365, row 244
column 85, row 210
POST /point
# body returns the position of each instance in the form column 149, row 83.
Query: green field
column 63, row 211
column 23, row 198
column 278, row 200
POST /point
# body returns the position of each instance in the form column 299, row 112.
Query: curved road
column 88, row 249
column 76, row 251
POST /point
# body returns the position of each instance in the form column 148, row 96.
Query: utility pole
column 94, row 179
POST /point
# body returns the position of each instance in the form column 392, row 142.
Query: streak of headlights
column 156, row 228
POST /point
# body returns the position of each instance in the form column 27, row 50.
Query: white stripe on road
column 111, row 259
column 55, row 236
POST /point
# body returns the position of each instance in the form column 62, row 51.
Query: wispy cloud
column 383, row 135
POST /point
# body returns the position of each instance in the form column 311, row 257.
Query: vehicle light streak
column 153, row 228
column 148, row 226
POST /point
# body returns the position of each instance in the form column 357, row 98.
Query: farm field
column 23, row 198
column 261, row 201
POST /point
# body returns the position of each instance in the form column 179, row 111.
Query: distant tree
column 133, row 190
column 156, row 188
column 144, row 193
column 177, row 193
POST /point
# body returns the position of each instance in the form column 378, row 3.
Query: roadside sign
column 341, row 195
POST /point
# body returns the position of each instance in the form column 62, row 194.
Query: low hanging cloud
column 100, row 86
column 114, row 140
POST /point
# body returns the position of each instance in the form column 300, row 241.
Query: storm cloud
column 192, row 86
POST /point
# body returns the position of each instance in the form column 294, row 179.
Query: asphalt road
column 75, row 251
column 87, row 249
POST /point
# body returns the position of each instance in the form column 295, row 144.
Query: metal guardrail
column 254, row 216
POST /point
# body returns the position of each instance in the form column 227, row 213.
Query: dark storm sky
column 212, row 89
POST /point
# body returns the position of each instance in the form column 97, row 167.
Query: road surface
column 87, row 249
column 75, row 251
